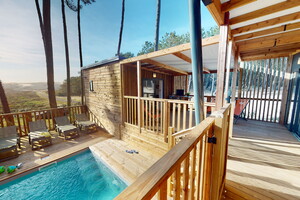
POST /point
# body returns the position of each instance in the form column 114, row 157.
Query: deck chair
column 240, row 107
column 39, row 135
column 64, row 127
column 84, row 124
column 9, row 139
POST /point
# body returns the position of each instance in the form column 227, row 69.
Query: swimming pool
column 78, row 177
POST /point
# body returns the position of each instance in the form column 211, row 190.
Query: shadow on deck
column 263, row 162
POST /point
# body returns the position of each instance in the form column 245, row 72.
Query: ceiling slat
column 232, row 4
column 266, row 23
column 265, row 11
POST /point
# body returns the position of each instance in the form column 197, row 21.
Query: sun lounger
column 9, row 139
column 64, row 127
column 240, row 106
column 85, row 124
column 39, row 135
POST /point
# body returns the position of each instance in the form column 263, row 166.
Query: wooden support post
column 139, row 87
column 186, row 84
column 222, row 63
column 123, row 110
column 285, row 89
column 233, row 93
column 241, row 81
column 228, row 63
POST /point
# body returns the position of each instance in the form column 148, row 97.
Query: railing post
column 171, row 139
column 166, row 120
column 219, row 160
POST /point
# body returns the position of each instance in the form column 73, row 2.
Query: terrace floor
column 59, row 149
column 263, row 162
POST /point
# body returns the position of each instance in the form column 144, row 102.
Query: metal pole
column 196, row 52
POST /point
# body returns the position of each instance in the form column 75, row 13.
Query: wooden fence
column 195, row 168
column 262, row 84
column 22, row 119
column 158, row 114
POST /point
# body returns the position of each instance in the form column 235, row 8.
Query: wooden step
column 129, row 166
column 154, row 148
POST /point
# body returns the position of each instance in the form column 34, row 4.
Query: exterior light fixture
column 154, row 75
column 298, row 61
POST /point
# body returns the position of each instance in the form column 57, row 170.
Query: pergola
column 257, row 29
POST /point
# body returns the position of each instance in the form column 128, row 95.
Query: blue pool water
column 78, row 177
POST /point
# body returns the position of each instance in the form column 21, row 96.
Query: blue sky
column 21, row 51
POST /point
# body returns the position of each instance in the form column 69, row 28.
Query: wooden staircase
column 128, row 166
column 146, row 140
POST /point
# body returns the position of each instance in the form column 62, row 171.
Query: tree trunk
column 80, row 51
column 49, row 52
column 121, row 28
column 4, row 102
column 156, row 40
column 45, row 25
column 66, row 52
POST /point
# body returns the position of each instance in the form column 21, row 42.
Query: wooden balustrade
column 158, row 114
column 22, row 119
column 195, row 168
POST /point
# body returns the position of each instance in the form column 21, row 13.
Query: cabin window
column 91, row 86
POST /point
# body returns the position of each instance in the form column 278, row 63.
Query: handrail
column 147, row 184
column 191, row 160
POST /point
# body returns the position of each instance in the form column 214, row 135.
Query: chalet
column 240, row 141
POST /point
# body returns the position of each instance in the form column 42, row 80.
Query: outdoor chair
column 9, row 139
column 84, row 124
column 239, row 109
column 64, row 127
column 39, row 135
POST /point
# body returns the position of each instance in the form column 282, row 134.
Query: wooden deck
column 263, row 162
column 59, row 149
column 128, row 166
column 266, row 131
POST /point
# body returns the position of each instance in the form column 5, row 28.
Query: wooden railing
column 22, row 119
column 195, row 168
column 157, row 115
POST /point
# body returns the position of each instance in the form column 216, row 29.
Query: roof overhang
column 177, row 60
column 260, row 28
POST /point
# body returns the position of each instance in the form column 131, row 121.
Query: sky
column 22, row 57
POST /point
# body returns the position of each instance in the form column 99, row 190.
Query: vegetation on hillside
column 75, row 83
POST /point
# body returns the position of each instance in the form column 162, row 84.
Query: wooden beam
column 188, row 59
column 266, row 23
column 157, row 71
column 183, row 57
column 265, row 11
column 270, row 41
column 233, row 4
column 183, row 47
column 221, row 66
column 276, row 49
column 265, row 56
column 153, row 62
column 285, row 90
column 215, row 9
column 282, row 28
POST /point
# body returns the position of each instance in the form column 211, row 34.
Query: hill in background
column 28, row 86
